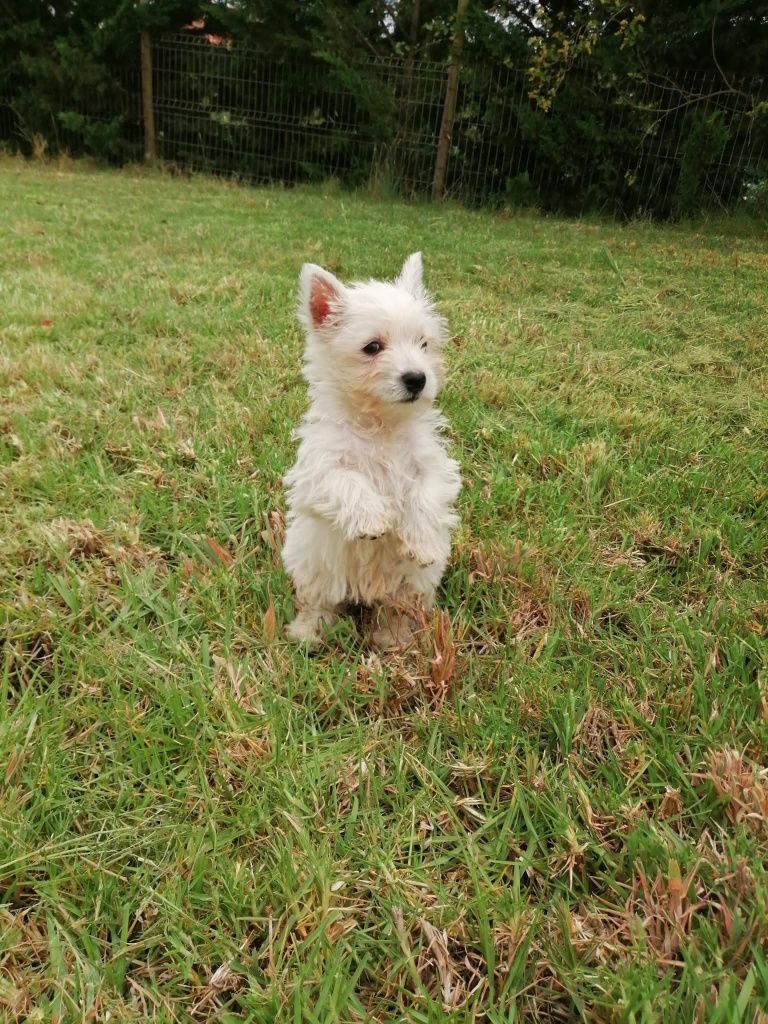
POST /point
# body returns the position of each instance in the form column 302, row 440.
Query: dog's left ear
column 411, row 276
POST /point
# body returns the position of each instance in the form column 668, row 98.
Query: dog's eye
column 373, row 347
column 424, row 344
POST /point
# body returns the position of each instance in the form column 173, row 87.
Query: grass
column 557, row 808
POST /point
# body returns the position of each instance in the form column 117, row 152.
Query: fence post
column 449, row 108
column 147, row 100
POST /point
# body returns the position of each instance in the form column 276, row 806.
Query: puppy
column 371, row 495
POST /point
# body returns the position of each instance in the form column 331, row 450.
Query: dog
column 371, row 494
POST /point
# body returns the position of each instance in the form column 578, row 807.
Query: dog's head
column 376, row 343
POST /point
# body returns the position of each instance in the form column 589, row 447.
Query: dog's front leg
column 348, row 499
column 424, row 530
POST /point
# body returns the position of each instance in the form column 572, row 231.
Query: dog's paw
column 423, row 561
column 394, row 631
column 371, row 524
column 422, row 553
column 307, row 627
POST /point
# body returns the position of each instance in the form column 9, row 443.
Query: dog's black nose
column 414, row 382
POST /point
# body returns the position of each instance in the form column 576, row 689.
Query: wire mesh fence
column 640, row 145
column 636, row 145
column 230, row 109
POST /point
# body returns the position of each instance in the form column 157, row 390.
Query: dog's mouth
column 411, row 398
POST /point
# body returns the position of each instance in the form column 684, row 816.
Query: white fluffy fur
column 371, row 494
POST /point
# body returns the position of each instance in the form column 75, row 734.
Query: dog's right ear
column 321, row 297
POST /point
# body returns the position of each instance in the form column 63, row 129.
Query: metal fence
column 231, row 109
column 642, row 145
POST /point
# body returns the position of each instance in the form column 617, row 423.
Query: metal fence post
column 147, row 100
column 451, row 96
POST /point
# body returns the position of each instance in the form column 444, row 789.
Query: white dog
column 371, row 495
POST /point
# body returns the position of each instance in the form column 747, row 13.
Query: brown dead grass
column 439, row 960
column 83, row 541
column 665, row 908
column 530, row 610
column 25, row 950
column 236, row 756
column 29, row 657
column 443, row 661
column 743, row 786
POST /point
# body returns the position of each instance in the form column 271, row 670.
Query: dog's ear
column 411, row 276
column 321, row 296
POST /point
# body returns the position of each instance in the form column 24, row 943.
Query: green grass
column 199, row 822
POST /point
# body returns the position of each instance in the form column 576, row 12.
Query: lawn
column 554, row 809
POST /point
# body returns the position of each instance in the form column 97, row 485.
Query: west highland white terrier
column 370, row 497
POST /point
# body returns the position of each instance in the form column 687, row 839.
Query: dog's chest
column 394, row 468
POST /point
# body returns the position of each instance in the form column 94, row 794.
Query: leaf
column 220, row 554
column 268, row 622
column 340, row 927
column 443, row 664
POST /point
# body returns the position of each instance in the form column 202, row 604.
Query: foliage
column 705, row 140
column 755, row 196
column 594, row 92
column 70, row 70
